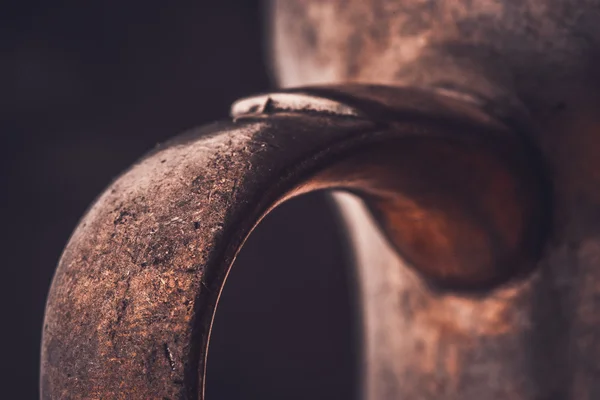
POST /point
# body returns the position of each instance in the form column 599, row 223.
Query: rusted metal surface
column 531, row 63
column 131, row 306
column 461, row 138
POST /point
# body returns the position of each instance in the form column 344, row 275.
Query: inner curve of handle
column 131, row 305
column 453, row 209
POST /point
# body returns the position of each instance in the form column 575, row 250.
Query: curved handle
column 131, row 305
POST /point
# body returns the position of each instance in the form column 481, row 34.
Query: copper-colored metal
column 459, row 138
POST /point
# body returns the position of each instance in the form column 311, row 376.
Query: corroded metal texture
column 531, row 50
column 131, row 306
column 462, row 139
column 533, row 63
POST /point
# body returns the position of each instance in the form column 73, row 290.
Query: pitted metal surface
column 131, row 306
column 461, row 138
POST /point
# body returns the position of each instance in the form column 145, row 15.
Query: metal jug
column 459, row 140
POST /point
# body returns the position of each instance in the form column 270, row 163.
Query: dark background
column 87, row 87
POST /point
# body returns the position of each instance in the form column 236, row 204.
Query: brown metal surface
column 131, row 305
column 533, row 63
column 461, row 139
